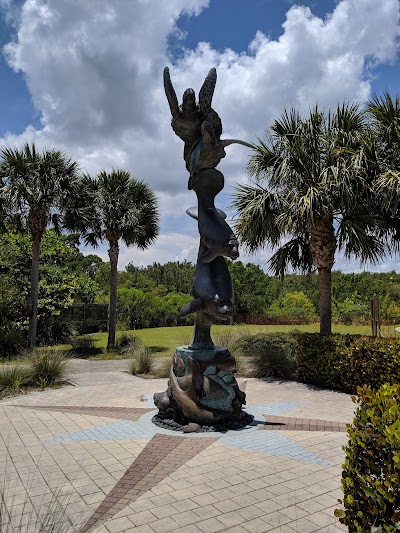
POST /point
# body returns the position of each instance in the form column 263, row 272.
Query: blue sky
column 91, row 82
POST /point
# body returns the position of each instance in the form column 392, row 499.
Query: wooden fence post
column 375, row 317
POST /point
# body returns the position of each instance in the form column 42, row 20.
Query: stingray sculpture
column 202, row 390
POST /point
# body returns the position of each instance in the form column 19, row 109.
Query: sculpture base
column 169, row 423
column 202, row 392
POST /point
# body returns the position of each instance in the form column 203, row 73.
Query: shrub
column 273, row 355
column 345, row 362
column 84, row 347
column 317, row 359
column 12, row 378
column 371, row 471
column 371, row 361
column 45, row 366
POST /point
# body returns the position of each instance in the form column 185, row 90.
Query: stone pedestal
column 202, row 392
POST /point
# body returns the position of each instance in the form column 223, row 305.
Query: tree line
column 152, row 296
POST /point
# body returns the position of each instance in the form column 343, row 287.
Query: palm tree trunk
column 113, row 253
column 325, row 300
column 323, row 247
column 33, row 301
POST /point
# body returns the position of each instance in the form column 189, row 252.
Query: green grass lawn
column 163, row 341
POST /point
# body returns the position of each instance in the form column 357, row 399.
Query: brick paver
column 90, row 453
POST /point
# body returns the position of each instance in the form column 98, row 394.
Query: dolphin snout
column 224, row 310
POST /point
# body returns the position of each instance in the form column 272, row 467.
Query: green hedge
column 345, row 362
column 371, row 471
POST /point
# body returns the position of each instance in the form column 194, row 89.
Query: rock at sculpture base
column 202, row 393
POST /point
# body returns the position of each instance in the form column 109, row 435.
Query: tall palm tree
column 312, row 186
column 384, row 114
column 36, row 189
column 123, row 208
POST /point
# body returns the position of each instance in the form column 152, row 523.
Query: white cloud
column 169, row 247
column 96, row 78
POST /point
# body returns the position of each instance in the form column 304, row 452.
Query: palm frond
column 358, row 236
column 295, row 255
column 257, row 210
column 388, row 188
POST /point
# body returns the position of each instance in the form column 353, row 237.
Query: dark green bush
column 273, row 355
column 345, row 362
column 371, row 471
column 371, row 361
column 318, row 360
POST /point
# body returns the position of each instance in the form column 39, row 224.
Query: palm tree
column 123, row 208
column 36, row 189
column 384, row 113
column 310, row 196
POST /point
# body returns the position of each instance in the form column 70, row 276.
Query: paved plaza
column 89, row 453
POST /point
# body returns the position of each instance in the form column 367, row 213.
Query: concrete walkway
column 89, row 454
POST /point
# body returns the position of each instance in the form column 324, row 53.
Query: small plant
column 227, row 339
column 45, row 367
column 12, row 378
column 164, row 367
column 141, row 360
column 125, row 339
column 371, row 471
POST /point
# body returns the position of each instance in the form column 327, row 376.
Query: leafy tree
column 309, row 200
column 177, row 276
column 36, row 190
column 253, row 288
column 63, row 281
column 293, row 304
column 389, row 308
column 122, row 208
column 351, row 308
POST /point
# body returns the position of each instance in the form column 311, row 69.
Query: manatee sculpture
column 202, row 390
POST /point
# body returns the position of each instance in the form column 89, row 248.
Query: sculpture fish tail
column 190, row 408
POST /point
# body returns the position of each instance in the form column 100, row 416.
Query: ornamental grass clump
column 12, row 379
column 371, row 471
column 126, row 341
column 141, row 360
column 273, row 355
column 45, row 367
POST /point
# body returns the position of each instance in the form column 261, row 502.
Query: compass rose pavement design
column 168, row 450
column 278, row 431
